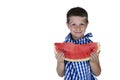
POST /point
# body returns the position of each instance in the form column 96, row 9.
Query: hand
column 94, row 57
column 60, row 57
column 95, row 64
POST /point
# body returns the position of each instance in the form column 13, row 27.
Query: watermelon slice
column 77, row 52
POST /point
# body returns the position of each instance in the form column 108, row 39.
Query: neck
column 76, row 38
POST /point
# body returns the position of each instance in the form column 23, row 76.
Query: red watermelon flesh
column 76, row 52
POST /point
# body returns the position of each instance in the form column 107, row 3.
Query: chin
column 77, row 37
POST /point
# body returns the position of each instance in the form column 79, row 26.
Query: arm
column 95, row 64
column 60, row 64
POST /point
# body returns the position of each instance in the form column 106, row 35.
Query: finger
column 98, row 52
column 91, row 57
column 57, row 56
column 60, row 55
column 61, row 58
column 94, row 57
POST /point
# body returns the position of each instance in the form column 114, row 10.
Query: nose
column 78, row 28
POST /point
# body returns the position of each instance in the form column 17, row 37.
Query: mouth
column 78, row 32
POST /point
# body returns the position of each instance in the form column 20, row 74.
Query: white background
column 28, row 29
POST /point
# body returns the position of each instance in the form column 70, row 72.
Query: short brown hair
column 77, row 11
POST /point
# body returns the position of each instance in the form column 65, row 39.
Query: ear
column 87, row 23
column 67, row 24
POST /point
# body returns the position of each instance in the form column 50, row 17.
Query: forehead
column 77, row 18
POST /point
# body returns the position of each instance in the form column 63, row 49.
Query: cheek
column 69, row 27
column 84, row 28
column 72, row 29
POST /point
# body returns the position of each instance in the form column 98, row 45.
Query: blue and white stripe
column 78, row 70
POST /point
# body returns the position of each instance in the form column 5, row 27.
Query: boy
column 77, row 21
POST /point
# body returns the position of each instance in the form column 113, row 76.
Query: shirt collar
column 69, row 37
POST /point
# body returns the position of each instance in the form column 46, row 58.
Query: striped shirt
column 78, row 70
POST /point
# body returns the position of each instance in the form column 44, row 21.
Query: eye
column 73, row 24
column 81, row 24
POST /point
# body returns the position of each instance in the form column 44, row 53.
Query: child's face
column 77, row 26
